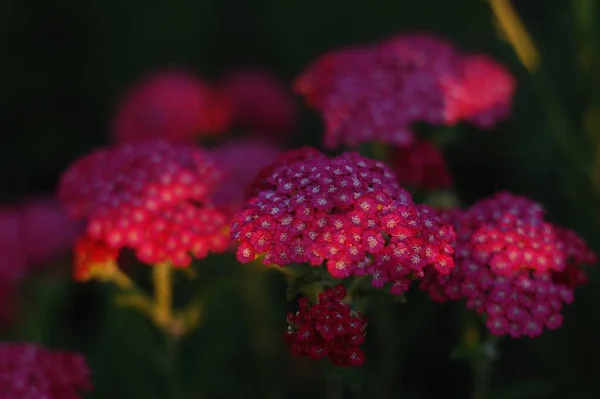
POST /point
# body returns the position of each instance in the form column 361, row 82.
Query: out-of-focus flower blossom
column 329, row 329
column 348, row 212
column 13, row 260
column 262, row 105
column 512, row 266
column 421, row 166
column 47, row 231
column 153, row 197
column 171, row 105
column 488, row 91
column 241, row 160
column 378, row 92
column 30, row 371
column 92, row 258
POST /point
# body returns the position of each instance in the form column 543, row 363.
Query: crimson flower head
column 512, row 266
column 30, row 371
column 422, row 166
column 329, row 329
column 173, row 105
column 153, row 197
column 347, row 212
column 262, row 105
column 378, row 92
column 241, row 160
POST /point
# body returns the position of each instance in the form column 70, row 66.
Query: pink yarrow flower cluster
column 154, row 198
column 262, row 105
column 29, row 371
column 378, row 92
column 512, row 266
column 347, row 212
column 329, row 329
column 172, row 105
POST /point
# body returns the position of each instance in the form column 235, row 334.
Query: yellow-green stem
column 163, row 294
column 515, row 32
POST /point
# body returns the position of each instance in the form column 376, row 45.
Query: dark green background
column 64, row 63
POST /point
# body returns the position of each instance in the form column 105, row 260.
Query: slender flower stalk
column 163, row 294
column 516, row 33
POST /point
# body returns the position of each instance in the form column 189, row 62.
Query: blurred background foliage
column 64, row 64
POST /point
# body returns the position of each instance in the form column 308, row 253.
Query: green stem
column 255, row 291
column 482, row 371
column 174, row 378
column 335, row 388
column 482, row 366
column 387, row 348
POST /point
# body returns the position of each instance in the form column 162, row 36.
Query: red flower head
column 378, row 92
column 330, row 329
column 349, row 212
column 421, row 166
column 153, row 197
column 241, row 160
column 171, row 105
column 29, row 371
column 513, row 266
column 261, row 103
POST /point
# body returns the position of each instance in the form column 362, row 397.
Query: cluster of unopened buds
column 328, row 329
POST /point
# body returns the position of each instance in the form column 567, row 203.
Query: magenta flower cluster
column 153, row 197
column 378, row 92
column 512, row 266
column 30, row 371
column 349, row 213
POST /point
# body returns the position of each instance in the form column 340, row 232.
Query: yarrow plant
column 262, row 105
column 172, row 105
column 343, row 228
column 512, row 266
column 153, row 198
column 349, row 213
column 379, row 92
column 30, row 371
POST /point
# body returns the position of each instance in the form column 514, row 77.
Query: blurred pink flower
column 242, row 160
column 379, row 92
column 13, row 260
column 263, row 105
column 31, row 234
column 46, row 230
column 28, row 370
column 173, row 105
